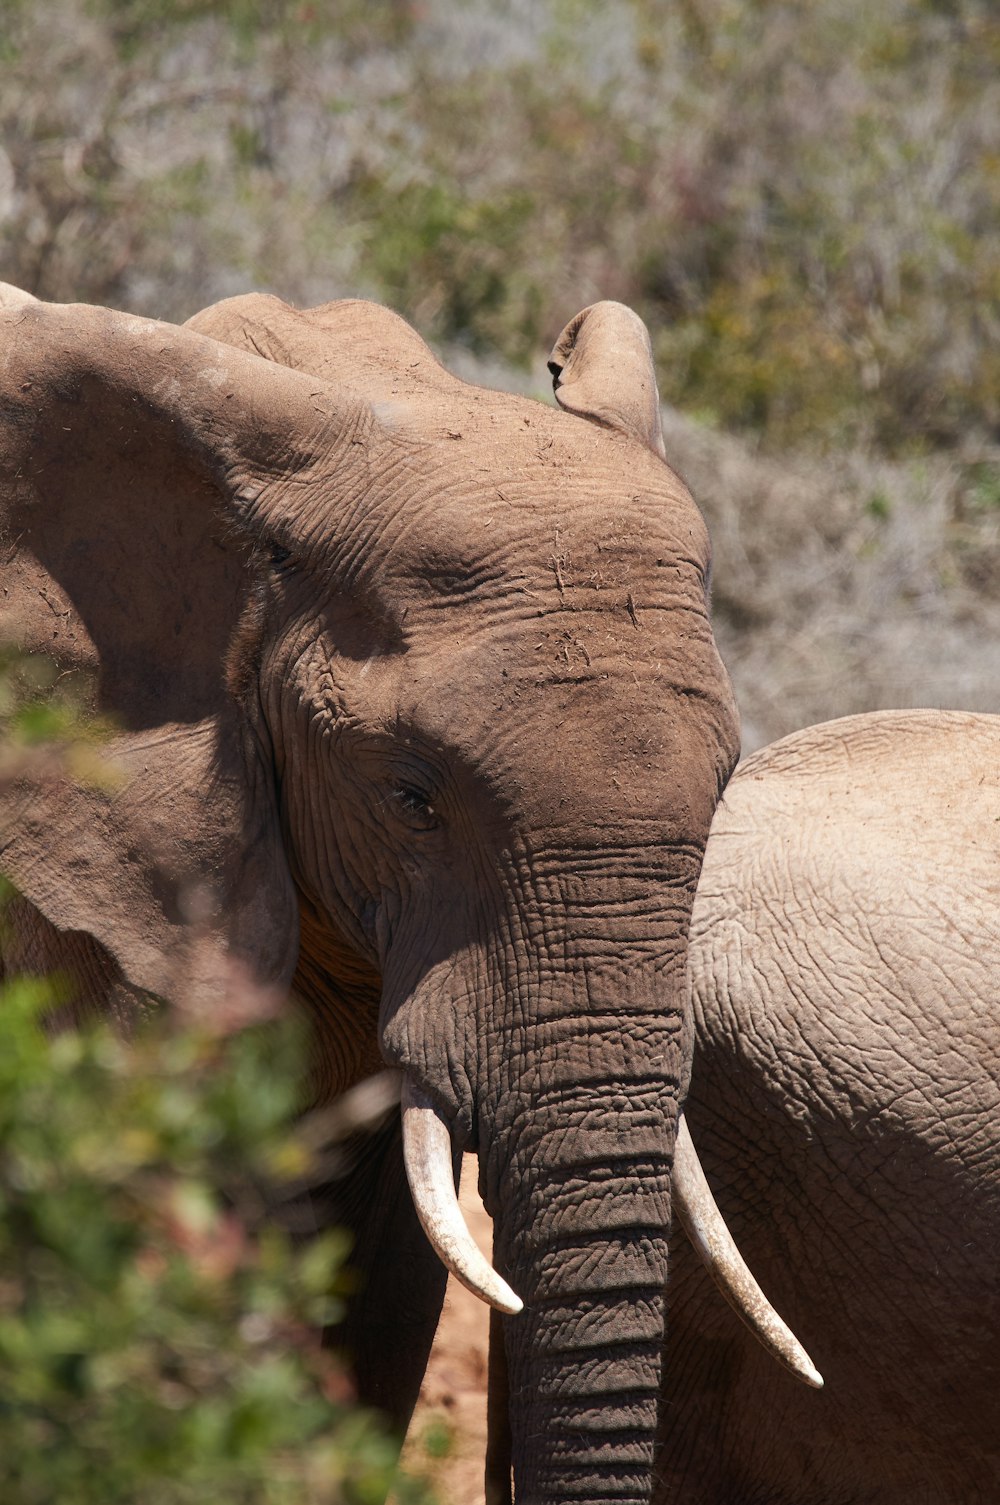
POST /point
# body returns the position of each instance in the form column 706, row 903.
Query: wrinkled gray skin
column 421, row 713
column 845, row 961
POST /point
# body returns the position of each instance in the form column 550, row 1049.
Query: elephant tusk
column 427, row 1153
column 705, row 1226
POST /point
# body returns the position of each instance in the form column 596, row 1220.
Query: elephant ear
column 602, row 368
column 140, row 466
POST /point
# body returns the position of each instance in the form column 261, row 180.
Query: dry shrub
column 800, row 199
column 848, row 584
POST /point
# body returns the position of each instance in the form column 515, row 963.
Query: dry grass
column 847, row 584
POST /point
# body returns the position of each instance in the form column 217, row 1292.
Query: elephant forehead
column 560, row 729
column 619, row 643
column 620, row 570
column 561, row 499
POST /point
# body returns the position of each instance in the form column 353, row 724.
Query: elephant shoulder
column 350, row 343
column 876, row 772
column 849, row 892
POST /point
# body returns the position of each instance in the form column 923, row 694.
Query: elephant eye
column 415, row 807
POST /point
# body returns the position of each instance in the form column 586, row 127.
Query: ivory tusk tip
column 511, row 1304
column 703, row 1223
column 483, row 1281
column 427, row 1153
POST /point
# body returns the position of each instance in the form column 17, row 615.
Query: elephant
column 845, row 1099
column 420, row 720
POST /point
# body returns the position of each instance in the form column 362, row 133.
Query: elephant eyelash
column 416, row 807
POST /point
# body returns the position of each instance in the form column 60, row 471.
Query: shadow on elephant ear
column 122, row 558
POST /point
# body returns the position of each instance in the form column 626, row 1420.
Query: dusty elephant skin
column 417, row 681
column 845, row 1100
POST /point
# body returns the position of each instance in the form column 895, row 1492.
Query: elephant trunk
column 586, row 1248
column 565, row 1074
column 575, row 1160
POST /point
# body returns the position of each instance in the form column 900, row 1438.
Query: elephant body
column 845, row 1101
column 419, row 714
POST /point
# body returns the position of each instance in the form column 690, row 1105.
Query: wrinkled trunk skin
column 584, row 1357
column 575, row 1168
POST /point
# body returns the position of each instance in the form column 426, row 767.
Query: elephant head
column 418, row 702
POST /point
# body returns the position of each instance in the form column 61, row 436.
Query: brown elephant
column 845, row 1100
column 419, row 714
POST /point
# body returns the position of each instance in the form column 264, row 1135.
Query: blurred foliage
column 158, row 1337
column 159, row 1330
column 46, row 725
column 802, row 199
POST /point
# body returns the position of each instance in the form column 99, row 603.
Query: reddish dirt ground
column 454, row 1389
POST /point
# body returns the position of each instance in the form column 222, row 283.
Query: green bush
column 158, row 1333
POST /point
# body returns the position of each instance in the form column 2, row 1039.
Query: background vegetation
column 156, row 1342
column 802, row 199
column 798, row 197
